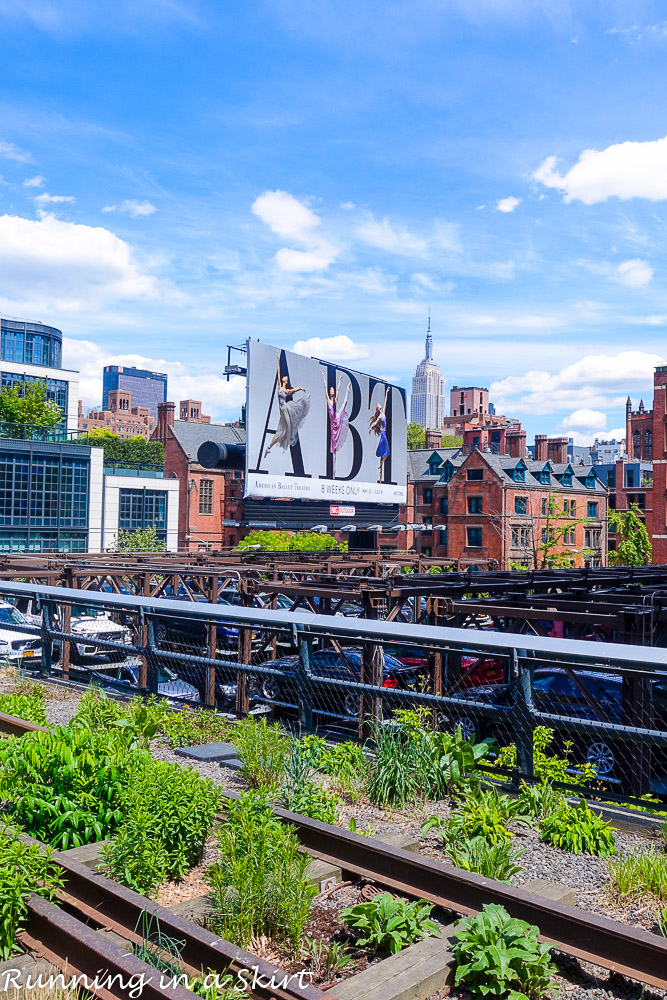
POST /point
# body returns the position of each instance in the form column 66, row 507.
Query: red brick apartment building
column 209, row 498
column 121, row 418
column 496, row 508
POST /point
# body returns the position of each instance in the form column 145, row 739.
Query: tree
column 451, row 441
column 544, row 535
column 284, row 541
column 135, row 450
column 141, row 540
column 633, row 545
column 416, row 436
column 27, row 405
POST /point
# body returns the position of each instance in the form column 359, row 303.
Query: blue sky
column 177, row 176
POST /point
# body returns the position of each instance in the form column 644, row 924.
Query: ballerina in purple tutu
column 378, row 423
column 338, row 419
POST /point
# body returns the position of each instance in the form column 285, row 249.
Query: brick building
column 209, row 498
column 120, row 418
column 483, row 508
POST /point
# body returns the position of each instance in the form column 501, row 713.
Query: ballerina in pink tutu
column 338, row 419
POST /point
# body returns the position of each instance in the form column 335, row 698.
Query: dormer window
column 567, row 479
column 545, row 477
column 519, row 473
column 447, row 472
column 590, row 481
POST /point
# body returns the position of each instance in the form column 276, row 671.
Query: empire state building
column 427, row 404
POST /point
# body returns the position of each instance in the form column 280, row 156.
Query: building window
column 444, row 506
column 647, row 480
column 205, row 496
column 519, row 475
column 590, row 482
column 428, row 496
column 474, row 536
column 545, row 503
column 433, row 466
column 611, row 479
column 520, row 505
column 474, row 505
column 545, row 478
column 566, row 506
column 636, row 443
column 474, row 475
column 629, row 478
column 443, row 536
column 592, row 509
column 143, row 509
column 566, row 479
column 648, row 445
column 447, row 472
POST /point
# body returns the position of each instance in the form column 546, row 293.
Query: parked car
column 169, row 684
column 555, row 692
column 90, row 623
column 16, row 645
column 282, row 691
column 182, row 634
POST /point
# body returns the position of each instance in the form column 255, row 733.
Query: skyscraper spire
column 429, row 339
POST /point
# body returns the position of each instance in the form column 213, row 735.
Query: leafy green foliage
column 139, row 719
column 316, row 802
column 25, row 701
column 135, row 450
column 167, row 813
column 485, row 813
column 396, row 774
column 326, row 959
column 65, row 786
column 313, row 749
column 639, row 873
column 27, row 404
column 189, row 729
column 497, row 955
column 139, row 540
column 24, row 869
column 388, row 924
column 577, row 829
column 284, row 541
column 260, row 883
column 547, row 766
column 416, row 436
column 633, row 544
column 263, row 748
column 497, row 861
column 540, row 800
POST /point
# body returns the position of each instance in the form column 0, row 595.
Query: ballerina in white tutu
column 293, row 412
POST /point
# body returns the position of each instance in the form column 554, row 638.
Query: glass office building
column 147, row 388
column 30, row 343
column 143, row 508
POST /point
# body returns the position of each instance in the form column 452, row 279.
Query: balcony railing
column 144, row 469
column 33, row 432
column 494, row 448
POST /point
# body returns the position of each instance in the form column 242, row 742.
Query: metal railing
column 601, row 706
column 34, row 432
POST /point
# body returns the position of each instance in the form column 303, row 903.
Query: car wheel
column 601, row 756
column 351, row 706
column 270, row 689
column 463, row 722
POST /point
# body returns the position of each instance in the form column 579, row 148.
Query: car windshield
column 11, row 616
column 79, row 611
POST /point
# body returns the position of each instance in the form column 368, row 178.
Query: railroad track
column 608, row 943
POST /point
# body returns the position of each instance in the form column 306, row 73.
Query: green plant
column 24, row 869
column 396, row 773
column 316, row 802
column 156, row 948
column 326, row 960
column 263, row 748
column 453, row 760
column 260, row 883
column 577, row 829
column 661, row 920
column 639, row 873
column 167, row 813
column 141, row 719
column 25, row 704
column 65, row 786
column 188, row 729
column 549, row 767
column 497, row 955
column 539, row 800
column 314, row 748
column 344, row 759
column 497, row 861
column 388, row 924
column 352, row 827
column 485, row 813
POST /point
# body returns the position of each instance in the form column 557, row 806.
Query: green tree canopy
column 633, row 545
column 284, row 541
column 135, row 450
column 27, row 404
column 416, row 436
column 141, row 540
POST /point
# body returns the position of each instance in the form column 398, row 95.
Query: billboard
column 319, row 431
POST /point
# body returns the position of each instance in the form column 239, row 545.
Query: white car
column 15, row 645
column 92, row 624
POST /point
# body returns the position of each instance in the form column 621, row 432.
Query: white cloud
column 585, row 419
column 595, row 382
column 53, row 199
column 340, row 348
column 293, row 220
column 12, row 152
column 623, row 170
column 221, row 399
column 48, row 264
column 392, row 238
column 137, row 209
column 634, row 273
column 34, row 182
column 508, row 204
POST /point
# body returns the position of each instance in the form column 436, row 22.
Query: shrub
column 497, row 861
column 388, row 924
column 188, row 729
column 639, row 873
column 577, row 829
column 499, row 956
column 24, row 869
column 262, row 748
column 26, row 701
column 343, row 759
column 316, row 802
column 551, row 768
column 260, row 883
column 65, row 786
column 485, row 813
column 167, row 812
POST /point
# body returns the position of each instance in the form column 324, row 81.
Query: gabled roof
column 191, row 435
column 504, row 465
column 418, row 463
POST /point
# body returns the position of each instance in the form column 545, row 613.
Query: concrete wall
column 111, row 503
